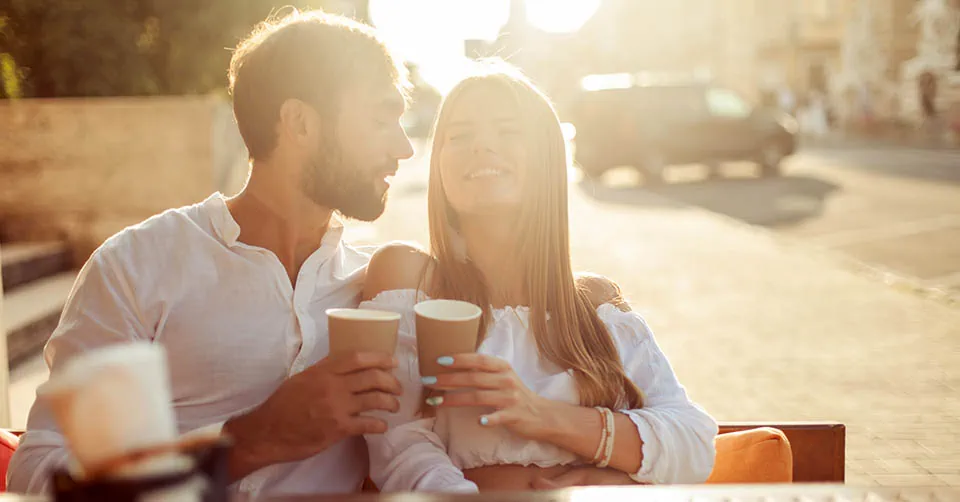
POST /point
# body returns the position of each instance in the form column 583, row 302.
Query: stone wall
column 82, row 169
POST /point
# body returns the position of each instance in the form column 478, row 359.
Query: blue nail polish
column 435, row 401
column 445, row 361
column 428, row 380
column 484, row 420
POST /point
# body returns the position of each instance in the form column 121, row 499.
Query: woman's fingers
column 470, row 380
column 487, row 398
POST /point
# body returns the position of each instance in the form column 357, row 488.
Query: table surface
column 698, row 493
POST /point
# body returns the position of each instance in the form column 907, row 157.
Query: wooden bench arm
column 818, row 448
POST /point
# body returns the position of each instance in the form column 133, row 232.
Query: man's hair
column 311, row 56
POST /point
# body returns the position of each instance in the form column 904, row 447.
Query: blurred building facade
column 866, row 56
column 854, row 54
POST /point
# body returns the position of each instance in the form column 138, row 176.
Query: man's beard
column 328, row 181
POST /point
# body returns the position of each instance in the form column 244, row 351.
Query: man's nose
column 404, row 148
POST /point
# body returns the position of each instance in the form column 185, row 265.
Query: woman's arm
column 491, row 382
column 669, row 440
column 577, row 429
column 678, row 435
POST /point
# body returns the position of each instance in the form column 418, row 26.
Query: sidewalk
column 761, row 328
column 901, row 138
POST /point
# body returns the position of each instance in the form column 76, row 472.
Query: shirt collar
column 229, row 230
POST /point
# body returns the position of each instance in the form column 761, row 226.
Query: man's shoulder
column 157, row 236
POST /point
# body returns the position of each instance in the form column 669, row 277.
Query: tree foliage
column 63, row 48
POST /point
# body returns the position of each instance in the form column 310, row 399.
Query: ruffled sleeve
column 410, row 455
column 677, row 434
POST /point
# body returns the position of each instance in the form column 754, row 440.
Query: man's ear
column 299, row 122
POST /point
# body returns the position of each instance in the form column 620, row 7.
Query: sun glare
column 432, row 33
column 560, row 16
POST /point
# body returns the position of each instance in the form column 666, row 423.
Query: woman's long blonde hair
column 577, row 340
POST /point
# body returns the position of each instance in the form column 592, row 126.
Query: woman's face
column 483, row 153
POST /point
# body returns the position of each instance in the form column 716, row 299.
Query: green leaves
column 10, row 77
column 62, row 48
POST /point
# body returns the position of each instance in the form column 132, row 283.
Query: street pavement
column 895, row 210
column 765, row 325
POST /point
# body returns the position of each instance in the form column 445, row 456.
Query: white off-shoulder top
column 431, row 453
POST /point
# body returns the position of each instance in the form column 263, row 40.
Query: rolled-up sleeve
column 677, row 434
column 99, row 311
column 410, row 456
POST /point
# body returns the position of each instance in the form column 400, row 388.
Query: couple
column 567, row 386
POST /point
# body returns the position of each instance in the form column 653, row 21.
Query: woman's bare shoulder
column 599, row 290
column 397, row 265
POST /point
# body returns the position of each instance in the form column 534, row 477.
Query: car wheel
column 591, row 174
column 714, row 170
column 770, row 159
column 652, row 165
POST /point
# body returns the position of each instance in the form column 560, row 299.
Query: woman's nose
column 485, row 141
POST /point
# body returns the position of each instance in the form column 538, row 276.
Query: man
column 235, row 290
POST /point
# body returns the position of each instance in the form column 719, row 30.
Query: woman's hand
column 486, row 381
column 489, row 381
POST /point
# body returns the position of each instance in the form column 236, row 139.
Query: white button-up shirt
column 231, row 323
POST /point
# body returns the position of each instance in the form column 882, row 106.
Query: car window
column 727, row 104
column 673, row 103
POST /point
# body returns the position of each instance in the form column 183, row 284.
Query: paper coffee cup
column 362, row 330
column 445, row 328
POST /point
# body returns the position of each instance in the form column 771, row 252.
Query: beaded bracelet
column 603, row 436
column 608, row 448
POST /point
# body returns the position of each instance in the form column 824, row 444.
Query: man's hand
column 313, row 410
column 583, row 476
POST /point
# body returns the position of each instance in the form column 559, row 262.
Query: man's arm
column 307, row 414
column 99, row 311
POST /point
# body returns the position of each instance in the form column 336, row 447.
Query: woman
column 534, row 402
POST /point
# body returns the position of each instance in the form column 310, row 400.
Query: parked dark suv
column 653, row 125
